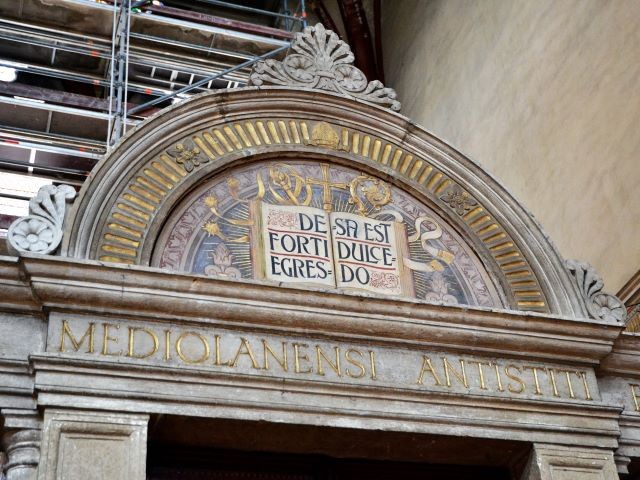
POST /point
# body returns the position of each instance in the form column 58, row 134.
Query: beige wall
column 546, row 95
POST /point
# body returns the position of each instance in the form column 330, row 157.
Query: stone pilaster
column 92, row 445
column 21, row 444
column 554, row 462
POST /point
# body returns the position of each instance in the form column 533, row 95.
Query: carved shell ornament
column 600, row 305
column 41, row 230
column 324, row 62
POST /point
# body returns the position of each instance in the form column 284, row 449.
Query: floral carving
column 188, row 155
column 459, row 200
column 439, row 290
column 324, row 62
column 600, row 305
column 222, row 263
column 41, row 230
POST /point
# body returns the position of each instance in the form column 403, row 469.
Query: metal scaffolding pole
column 199, row 83
column 120, row 43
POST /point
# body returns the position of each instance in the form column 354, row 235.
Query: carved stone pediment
column 600, row 305
column 318, row 59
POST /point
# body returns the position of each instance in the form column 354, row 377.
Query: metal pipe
column 176, row 43
column 104, row 50
column 77, row 77
column 126, row 69
column 53, row 139
column 112, row 72
column 25, row 102
column 250, row 9
column 146, row 105
column 46, row 168
column 14, row 197
column 54, row 149
column 303, row 9
column 249, row 37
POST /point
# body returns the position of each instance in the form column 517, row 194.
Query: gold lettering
column 282, row 360
column 552, row 377
column 585, row 383
column 461, row 376
column 569, row 384
column 372, row 364
column 106, row 339
column 427, row 367
column 498, row 378
column 218, row 361
column 515, row 378
column 535, row 377
column 154, row 337
column 167, row 345
column 335, row 366
column 66, row 331
column 354, row 362
column 297, row 357
column 481, row 372
column 244, row 349
column 634, row 394
column 183, row 357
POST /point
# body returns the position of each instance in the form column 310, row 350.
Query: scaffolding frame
column 166, row 69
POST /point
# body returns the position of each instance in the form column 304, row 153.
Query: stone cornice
column 63, row 380
column 625, row 356
column 142, row 292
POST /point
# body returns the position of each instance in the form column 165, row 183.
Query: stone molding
column 41, row 230
column 101, row 289
column 600, row 305
column 63, row 381
column 321, row 61
column 117, row 217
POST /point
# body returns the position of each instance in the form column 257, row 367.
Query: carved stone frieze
column 600, row 305
column 322, row 61
column 41, row 230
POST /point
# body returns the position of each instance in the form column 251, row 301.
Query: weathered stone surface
column 84, row 445
column 555, row 462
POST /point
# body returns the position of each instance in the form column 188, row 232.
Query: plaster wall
column 544, row 94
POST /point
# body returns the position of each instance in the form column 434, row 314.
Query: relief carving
column 41, row 230
column 323, row 62
column 600, row 305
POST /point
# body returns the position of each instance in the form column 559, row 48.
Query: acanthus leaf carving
column 600, row 305
column 41, row 230
column 324, row 62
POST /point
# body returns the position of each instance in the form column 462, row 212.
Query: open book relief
column 323, row 225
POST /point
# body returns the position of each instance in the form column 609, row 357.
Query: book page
column 366, row 254
column 297, row 245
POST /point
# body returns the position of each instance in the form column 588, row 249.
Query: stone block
column 84, row 445
column 553, row 462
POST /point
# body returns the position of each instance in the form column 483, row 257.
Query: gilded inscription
column 247, row 354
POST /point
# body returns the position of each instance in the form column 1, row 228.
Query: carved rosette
column 324, row 62
column 600, row 305
column 41, row 230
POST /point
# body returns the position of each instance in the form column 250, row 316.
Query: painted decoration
column 324, row 225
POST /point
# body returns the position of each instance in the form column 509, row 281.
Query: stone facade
column 113, row 333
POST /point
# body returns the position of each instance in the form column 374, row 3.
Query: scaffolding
column 136, row 57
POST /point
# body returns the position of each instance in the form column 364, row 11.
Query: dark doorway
column 180, row 463
column 190, row 448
